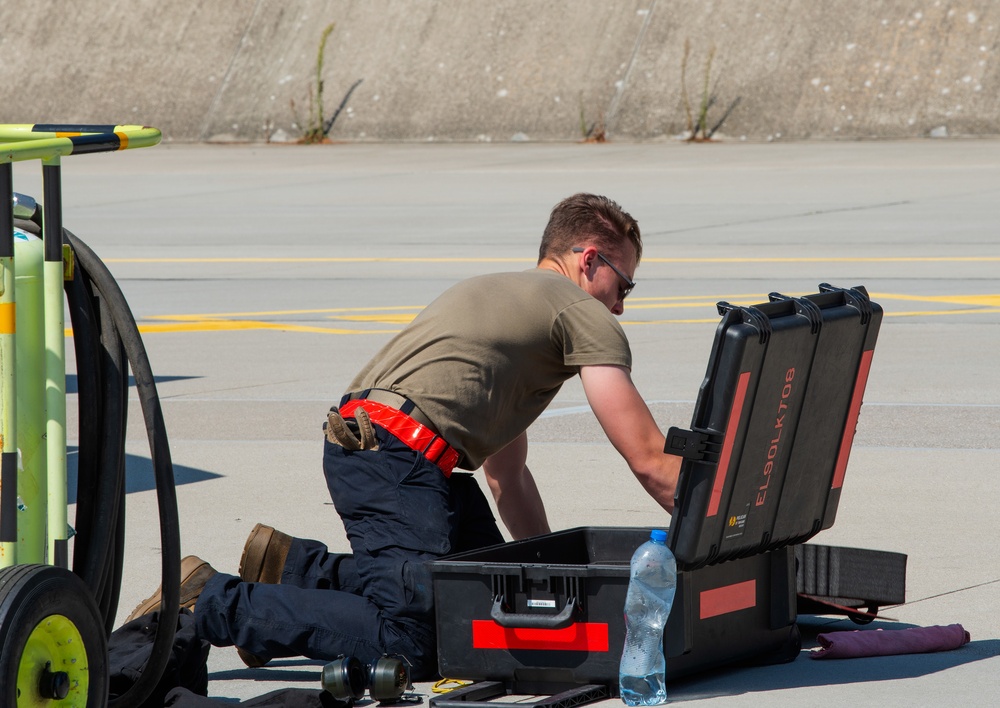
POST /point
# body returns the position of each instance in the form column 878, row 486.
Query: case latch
column 699, row 445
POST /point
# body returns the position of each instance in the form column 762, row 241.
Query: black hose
column 103, row 321
column 102, row 394
column 89, row 556
column 112, row 479
column 88, row 386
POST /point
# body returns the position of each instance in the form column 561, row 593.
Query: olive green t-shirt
column 486, row 357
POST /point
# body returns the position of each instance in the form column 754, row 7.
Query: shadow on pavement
column 73, row 387
column 138, row 474
column 805, row 672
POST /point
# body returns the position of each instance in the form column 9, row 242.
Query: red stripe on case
column 732, row 426
column 851, row 426
column 729, row 598
column 581, row 636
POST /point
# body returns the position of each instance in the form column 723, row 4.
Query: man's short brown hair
column 585, row 219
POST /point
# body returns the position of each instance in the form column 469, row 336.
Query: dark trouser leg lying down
column 399, row 512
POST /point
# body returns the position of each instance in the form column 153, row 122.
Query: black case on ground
column 546, row 613
column 848, row 581
column 773, row 425
column 763, row 466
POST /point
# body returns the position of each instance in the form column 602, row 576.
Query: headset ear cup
column 344, row 678
column 388, row 679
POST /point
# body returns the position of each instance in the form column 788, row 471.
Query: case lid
column 772, row 429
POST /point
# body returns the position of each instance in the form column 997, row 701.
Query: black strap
column 405, row 404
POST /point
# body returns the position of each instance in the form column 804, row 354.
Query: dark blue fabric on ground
column 131, row 646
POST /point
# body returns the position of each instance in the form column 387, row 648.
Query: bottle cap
column 658, row 536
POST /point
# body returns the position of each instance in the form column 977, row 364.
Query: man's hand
column 631, row 428
column 514, row 490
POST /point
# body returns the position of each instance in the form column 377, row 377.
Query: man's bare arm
column 631, row 428
column 518, row 501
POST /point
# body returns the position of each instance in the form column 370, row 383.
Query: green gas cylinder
column 29, row 356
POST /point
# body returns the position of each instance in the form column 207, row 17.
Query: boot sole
column 251, row 568
column 254, row 552
column 251, row 660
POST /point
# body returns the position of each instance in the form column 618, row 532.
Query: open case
column 763, row 466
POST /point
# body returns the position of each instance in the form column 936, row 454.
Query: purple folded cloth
column 916, row 640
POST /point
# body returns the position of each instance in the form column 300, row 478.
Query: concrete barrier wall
column 507, row 69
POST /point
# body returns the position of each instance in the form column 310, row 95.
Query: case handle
column 513, row 620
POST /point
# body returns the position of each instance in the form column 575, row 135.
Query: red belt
column 411, row 433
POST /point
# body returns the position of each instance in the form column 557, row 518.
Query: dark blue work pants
column 399, row 511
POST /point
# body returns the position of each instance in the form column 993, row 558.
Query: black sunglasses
column 629, row 283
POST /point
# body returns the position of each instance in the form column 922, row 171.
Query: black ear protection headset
column 346, row 678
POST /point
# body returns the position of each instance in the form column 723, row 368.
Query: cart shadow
column 805, row 672
column 139, row 476
column 72, row 385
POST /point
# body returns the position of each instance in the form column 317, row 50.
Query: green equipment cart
column 57, row 612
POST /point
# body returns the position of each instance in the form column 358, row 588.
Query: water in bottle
column 652, row 582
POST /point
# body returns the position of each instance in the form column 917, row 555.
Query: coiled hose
column 107, row 343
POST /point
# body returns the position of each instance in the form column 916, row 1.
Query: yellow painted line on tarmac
column 639, row 323
column 914, row 313
column 402, row 318
column 231, row 321
column 648, row 259
column 653, row 303
column 393, row 318
column 189, row 323
column 833, row 259
column 278, row 313
column 234, row 325
column 983, row 300
column 320, row 259
column 921, row 313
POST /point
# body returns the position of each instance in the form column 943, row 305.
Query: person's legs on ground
column 272, row 621
column 271, row 556
column 396, row 509
column 395, row 506
column 400, row 512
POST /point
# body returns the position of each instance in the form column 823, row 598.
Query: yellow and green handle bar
column 48, row 143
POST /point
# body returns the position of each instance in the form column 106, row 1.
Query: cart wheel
column 864, row 619
column 53, row 651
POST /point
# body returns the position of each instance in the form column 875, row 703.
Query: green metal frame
column 48, row 143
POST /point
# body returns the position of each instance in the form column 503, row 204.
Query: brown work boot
column 251, row 660
column 264, row 555
column 194, row 574
column 262, row 562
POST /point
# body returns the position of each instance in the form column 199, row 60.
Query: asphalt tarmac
column 264, row 276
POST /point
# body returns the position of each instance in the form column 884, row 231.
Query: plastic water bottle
column 652, row 582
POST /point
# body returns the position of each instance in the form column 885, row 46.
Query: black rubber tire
column 32, row 594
